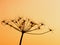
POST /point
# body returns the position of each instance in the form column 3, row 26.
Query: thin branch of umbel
column 25, row 26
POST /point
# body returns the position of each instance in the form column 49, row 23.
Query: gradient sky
column 46, row 11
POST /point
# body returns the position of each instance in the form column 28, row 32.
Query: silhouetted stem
column 38, row 33
column 21, row 38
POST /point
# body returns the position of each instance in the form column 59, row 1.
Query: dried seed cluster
column 24, row 25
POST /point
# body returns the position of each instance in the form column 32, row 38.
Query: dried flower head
column 25, row 26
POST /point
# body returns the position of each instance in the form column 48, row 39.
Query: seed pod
column 50, row 29
column 19, row 18
column 3, row 21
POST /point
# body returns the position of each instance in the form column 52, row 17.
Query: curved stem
column 32, row 30
column 12, row 26
column 38, row 33
column 21, row 38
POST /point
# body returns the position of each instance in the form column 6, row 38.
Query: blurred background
column 46, row 11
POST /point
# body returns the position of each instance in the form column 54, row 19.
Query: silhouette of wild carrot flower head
column 25, row 25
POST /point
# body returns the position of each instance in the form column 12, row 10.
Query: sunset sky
column 46, row 11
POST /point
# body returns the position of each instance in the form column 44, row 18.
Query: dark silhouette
column 25, row 26
column 21, row 38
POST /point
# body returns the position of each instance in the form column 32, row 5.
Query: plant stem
column 21, row 38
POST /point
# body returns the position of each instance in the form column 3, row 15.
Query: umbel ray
column 25, row 26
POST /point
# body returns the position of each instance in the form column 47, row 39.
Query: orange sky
column 46, row 11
